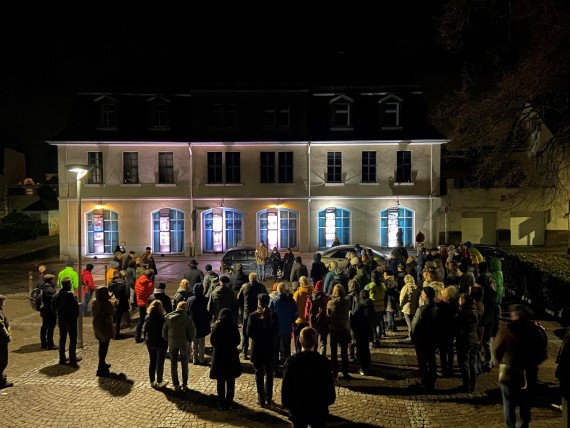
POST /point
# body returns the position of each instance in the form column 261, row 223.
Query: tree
column 510, row 116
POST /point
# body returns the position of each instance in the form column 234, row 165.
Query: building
column 188, row 168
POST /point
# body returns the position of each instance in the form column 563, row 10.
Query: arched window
column 167, row 231
column 223, row 229
column 102, row 231
column 334, row 222
column 390, row 220
column 277, row 227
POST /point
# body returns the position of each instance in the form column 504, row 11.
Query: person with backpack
column 209, row 276
column 88, row 287
column 65, row 305
column 49, row 317
column 316, row 316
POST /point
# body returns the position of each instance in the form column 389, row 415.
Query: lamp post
column 81, row 171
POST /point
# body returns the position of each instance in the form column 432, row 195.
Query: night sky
column 44, row 67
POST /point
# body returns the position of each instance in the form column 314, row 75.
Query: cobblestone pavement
column 47, row 394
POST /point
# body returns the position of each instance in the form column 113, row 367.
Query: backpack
column 36, row 298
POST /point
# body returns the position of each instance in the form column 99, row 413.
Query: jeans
column 391, row 323
column 486, row 344
column 198, row 349
column 49, row 320
column 467, row 360
column 103, row 350
column 261, row 272
column 513, row 397
column 68, row 328
column 86, row 299
column 264, row 381
column 378, row 325
column 427, row 364
column 226, row 391
column 182, row 355
column 244, row 336
column 339, row 338
column 409, row 318
column 157, row 355
column 142, row 316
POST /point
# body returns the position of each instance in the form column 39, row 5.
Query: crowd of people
column 449, row 299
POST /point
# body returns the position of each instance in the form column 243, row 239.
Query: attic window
column 106, row 114
column 390, row 109
column 158, row 114
column 341, row 112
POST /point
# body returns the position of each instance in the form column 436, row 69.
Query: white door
column 479, row 228
column 528, row 229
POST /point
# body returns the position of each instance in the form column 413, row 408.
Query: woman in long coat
column 226, row 366
column 103, row 327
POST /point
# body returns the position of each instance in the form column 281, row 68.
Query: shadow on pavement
column 56, row 370
column 26, row 349
column 116, row 384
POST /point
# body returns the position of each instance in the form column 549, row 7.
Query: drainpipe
column 193, row 216
column 309, row 192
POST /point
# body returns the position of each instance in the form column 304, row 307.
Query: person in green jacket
column 68, row 272
column 495, row 267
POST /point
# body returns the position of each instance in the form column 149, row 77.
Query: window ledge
column 404, row 184
column 342, row 128
column 369, row 184
column 223, row 184
column 94, row 185
column 165, row 185
column 159, row 129
column 391, row 128
column 334, row 184
column 277, row 184
column 131, row 184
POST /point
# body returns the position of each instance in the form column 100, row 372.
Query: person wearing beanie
column 160, row 294
column 68, row 272
column 262, row 328
column 221, row 296
column 316, row 315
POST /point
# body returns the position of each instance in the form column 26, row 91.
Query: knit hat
column 208, row 267
column 161, row 286
column 319, row 285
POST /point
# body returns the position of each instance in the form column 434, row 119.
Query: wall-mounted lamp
column 222, row 203
column 99, row 205
column 397, row 200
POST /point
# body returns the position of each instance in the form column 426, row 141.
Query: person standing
column 520, row 347
column 198, row 311
column 563, row 375
column 301, row 295
column 103, row 326
column 247, row 300
column 143, row 289
column 66, row 308
column 362, row 326
column 222, row 296
column 88, row 287
column 338, row 309
column 425, row 337
column 148, row 259
column 275, row 259
column 308, row 388
column 179, row 330
column 420, row 238
column 226, row 366
column 5, row 336
column 316, row 315
column 409, row 300
column 261, row 255
column 298, row 270
column 68, row 272
column 160, row 294
column 288, row 260
column 155, row 343
column 318, row 269
column 286, row 309
column 193, row 274
column 467, row 341
column 262, row 328
column 49, row 317
column 119, row 290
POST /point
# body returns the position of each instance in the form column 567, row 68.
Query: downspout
column 193, row 216
column 432, row 231
column 309, row 192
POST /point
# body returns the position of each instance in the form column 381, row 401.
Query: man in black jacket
column 308, row 390
column 65, row 306
column 247, row 300
column 160, row 294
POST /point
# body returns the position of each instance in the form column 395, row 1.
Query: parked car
column 338, row 254
column 491, row 251
column 243, row 255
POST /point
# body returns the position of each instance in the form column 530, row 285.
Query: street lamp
column 81, row 171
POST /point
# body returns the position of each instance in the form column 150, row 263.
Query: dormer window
column 390, row 112
column 158, row 114
column 341, row 112
column 223, row 116
column 107, row 113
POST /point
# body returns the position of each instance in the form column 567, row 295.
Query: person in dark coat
column 318, row 269
column 297, row 271
column 362, row 326
column 5, row 337
column 160, row 294
column 198, row 311
column 288, row 260
column 286, row 309
column 193, row 274
column 222, row 296
column 275, row 259
column 308, row 388
column 226, row 366
column 316, row 315
column 65, row 306
column 49, row 317
column 247, row 300
column 338, row 314
column 103, row 327
column 467, row 341
column 262, row 328
column 238, row 278
column 119, row 290
column 155, row 343
column 488, row 320
column 562, row 373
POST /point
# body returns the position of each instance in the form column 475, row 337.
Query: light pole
column 81, row 171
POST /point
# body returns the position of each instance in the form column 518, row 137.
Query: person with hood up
column 300, row 297
column 362, row 327
column 318, row 269
column 143, row 289
column 68, row 272
column 409, row 300
column 193, row 274
column 198, row 311
column 286, row 309
column 207, row 281
column 316, row 315
column 226, row 366
column 338, row 312
column 179, row 330
column 496, row 269
column 103, row 326
column 298, row 270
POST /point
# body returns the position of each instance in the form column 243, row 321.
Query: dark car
column 490, row 251
column 243, row 255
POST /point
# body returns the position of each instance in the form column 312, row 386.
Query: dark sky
column 44, row 67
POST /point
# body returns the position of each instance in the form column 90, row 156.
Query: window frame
column 274, row 114
column 369, row 166
column 334, row 170
column 341, row 113
column 95, row 175
column 165, row 168
column 404, row 166
column 221, row 170
column 158, row 120
column 132, row 169
column 276, row 167
column 223, row 116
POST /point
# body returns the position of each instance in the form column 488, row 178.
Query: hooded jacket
column 301, row 296
column 179, row 329
column 466, row 323
column 409, row 298
column 103, row 310
column 198, row 311
column 316, row 311
column 496, row 270
column 143, row 289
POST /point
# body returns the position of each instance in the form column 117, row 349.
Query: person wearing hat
column 4, row 340
column 262, row 329
column 88, row 287
column 208, row 277
column 113, row 267
column 49, row 317
column 68, row 272
column 193, row 274
column 160, row 294
column 247, row 301
column 221, row 296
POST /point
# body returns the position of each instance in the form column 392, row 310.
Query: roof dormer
column 107, row 111
column 341, row 113
column 390, row 112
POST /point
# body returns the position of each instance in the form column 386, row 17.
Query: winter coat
column 316, row 312
column 68, row 272
column 207, row 282
column 563, row 365
column 425, row 325
column 338, row 310
column 194, row 275
column 362, row 277
column 496, row 270
column 144, row 287
column 489, row 299
column 181, row 295
column 164, row 299
column 87, row 281
column 119, row 290
column 298, row 270
column 392, row 295
column 288, row 260
column 103, row 325
column 328, row 281
column 286, row 309
column 221, row 297
column 238, row 279
column 377, row 292
column 198, row 311
column 225, row 339
column 409, row 299
column 262, row 332
column 247, row 296
column 179, row 329
column 261, row 254
column 318, row 269
column 152, row 331
column 48, row 293
column 64, row 304
column 362, row 318
column 466, row 323
column 437, row 286
column 300, row 297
